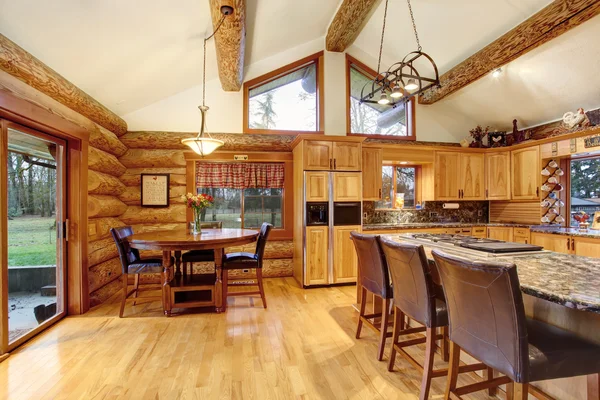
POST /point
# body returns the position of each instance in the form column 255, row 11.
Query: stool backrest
column 486, row 312
column 413, row 286
column 261, row 243
column 127, row 254
column 373, row 269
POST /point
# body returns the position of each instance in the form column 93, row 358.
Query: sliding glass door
column 33, row 215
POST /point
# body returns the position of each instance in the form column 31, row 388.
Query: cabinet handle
column 568, row 243
column 486, row 193
column 537, row 191
column 380, row 193
column 334, row 163
column 459, row 193
column 573, row 244
column 330, row 163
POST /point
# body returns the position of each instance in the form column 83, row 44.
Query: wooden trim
column 317, row 59
column 300, row 138
column 410, row 110
column 3, row 239
column 253, row 156
column 552, row 21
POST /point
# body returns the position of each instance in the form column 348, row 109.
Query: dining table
column 179, row 240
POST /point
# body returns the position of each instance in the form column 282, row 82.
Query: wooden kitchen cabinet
column 472, row 176
column 345, row 261
column 317, row 186
column 521, row 235
column 347, row 156
column 459, row 176
column 347, row 186
column 526, row 173
column 318, row 155
column 497, row 167
column 552, row 242
column 504, row 233
column 372, row 165
column 447, row 179
column 588, row 247
column 479, row 231
column 317, row 260
column 324, row 155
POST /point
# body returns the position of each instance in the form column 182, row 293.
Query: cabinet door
column 318, row 155
column 372, row 164
column 472, row 176
column 317, row 186
column 526, row 173
column 500, row 233
column 587, row 247
column 479, row 231
column 447, row 180
column 551, row 242
column 345, row 261
column 347, row 156
column 317, row 260
column 347, row 186
column 497, row 168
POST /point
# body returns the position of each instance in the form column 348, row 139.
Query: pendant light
column 204, row 143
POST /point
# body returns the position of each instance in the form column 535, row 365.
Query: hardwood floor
column 301, row 347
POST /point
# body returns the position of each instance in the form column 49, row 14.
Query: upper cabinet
column 347, row 186
column 323, row 155
column 526, row 173
column 497, row 166
column 459, row 176
column 372, row 164
column 472, row 176
column 317, row 186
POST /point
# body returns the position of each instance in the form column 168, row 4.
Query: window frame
column 394, row 180
column 410, row 109
column 316, row 59
column 565, row 165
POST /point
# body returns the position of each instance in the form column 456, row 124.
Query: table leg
column 166, row 288
column 220, row 302
column 177, row 263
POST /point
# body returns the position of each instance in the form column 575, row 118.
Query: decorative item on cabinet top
column 551, row 204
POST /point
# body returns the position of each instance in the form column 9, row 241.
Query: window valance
column 240, row 175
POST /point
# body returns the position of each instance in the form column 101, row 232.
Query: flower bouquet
column 198, row 202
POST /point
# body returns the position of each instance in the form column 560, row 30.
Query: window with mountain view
column 285, row 100
column 372, row 119
column 585, row 188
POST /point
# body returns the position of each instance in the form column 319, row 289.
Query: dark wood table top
column 183, row 239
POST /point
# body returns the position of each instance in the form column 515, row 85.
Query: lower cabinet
column 587, row 247
column 504, row 233
column 479, row 231
column 345, row 262
column 552, row 242
column 317, row 260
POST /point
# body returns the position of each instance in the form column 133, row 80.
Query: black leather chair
column 132, row 263
column 248, row 261
column 196, row 256
column 374, row 278
column 487, row 320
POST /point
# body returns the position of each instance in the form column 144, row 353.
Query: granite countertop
column 374, row 227
column 568, row 280
column 593, row 233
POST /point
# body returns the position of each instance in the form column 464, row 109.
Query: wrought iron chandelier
column 204, row 143
column 402, row 81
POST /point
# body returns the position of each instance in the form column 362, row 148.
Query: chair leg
column 385, row 314
column 398, row 326
column 489, row 375
column 428, row 364
column 517, row 391
column 225, row 279
column 136, row 285
column 259, row 280
column 445, row 344
column 453, row 365
column 361, row 313
column 593, row 387
column 124, row 277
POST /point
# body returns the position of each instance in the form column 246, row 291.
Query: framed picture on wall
column 155, row 190
column 596, row 220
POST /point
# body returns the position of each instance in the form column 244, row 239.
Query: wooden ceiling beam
column 348, row 22
column 230, row 43
column 552, row 21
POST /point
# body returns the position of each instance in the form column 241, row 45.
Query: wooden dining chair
column 133, row 264
column 196, row 256
column 233, row 261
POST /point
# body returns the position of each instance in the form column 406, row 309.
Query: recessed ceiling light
column 497, row 72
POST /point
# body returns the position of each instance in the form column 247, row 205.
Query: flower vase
column 197, row 221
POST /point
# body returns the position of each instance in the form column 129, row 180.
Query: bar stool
column 415, row 296
column 196, row 256
column 487, row 320
column 374, row 278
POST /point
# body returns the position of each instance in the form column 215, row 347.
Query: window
column 585, row 187
column 374, row 120
column 287, row 100
column 399, row 188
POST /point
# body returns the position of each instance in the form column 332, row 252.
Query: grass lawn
column 31, row 241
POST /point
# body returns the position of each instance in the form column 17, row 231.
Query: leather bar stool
column 415, row 295
column 373, row 278
column 132, row 263
column 487, row 320
column 243, row 260
column 195, row 256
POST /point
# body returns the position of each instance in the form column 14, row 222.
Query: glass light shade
column 203, row 145
column 396, row 93
column 411, row 85
column 383, row 99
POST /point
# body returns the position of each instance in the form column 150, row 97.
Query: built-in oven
column 346, row 213
column 317, row 214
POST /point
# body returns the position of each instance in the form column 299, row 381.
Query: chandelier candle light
column 198, row 202
column 204, row 143
column 402, row 81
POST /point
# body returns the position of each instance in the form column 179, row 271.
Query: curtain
column 240, row 175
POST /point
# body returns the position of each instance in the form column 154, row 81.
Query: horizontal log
column 101, row 274
column 142, row 215
column 99, row 228
column 105, row 140
column 101, row 250
column 142, row 228
column 102, row 161
column 25, row 67
column 131, row 179
column 157, row 140
column 105, row 292
column 105, row 206
column 348, row 22
column 138, row 158
column 132, row 195
column 99, row 183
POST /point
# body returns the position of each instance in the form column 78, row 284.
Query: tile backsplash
column 468, row 212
